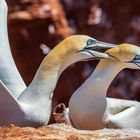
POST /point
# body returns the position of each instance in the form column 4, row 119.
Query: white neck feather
column 47, row 75
column 90, row 98
column 36, row 99
column 103, row 75
column 99, row 81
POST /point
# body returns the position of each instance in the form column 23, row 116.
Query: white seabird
column 90, row 109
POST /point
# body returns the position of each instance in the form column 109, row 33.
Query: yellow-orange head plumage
column 124, row 52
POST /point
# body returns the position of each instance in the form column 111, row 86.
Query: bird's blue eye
column 91, row 42
column 137, row 57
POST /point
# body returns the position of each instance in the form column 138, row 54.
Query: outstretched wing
column 9, row 107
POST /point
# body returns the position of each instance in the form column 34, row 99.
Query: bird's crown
column 124, row 52
column 75, row 42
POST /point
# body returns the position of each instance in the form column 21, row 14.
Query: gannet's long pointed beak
column 99, row 46
column 96, row 49
column 103, row 45
column 100, row 55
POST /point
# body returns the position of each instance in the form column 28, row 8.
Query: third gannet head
column 128, row 54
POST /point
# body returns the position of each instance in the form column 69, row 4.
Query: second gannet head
column 128, row 54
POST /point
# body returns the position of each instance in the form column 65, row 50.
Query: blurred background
column 36, row 26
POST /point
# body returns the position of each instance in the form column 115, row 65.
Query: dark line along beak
column 100, row 46
column 136, row 62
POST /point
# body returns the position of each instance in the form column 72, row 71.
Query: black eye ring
column 91, row 42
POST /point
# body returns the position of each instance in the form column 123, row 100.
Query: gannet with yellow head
column 90, row 109
column 124, row 113
column 33, row 106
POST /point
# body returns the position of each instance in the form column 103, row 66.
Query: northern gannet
column 9, row 74
column 90, row 109
column 33, row 106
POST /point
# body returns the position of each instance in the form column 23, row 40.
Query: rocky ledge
column 65, row 132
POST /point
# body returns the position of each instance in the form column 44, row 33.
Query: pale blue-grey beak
column 97, row 48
